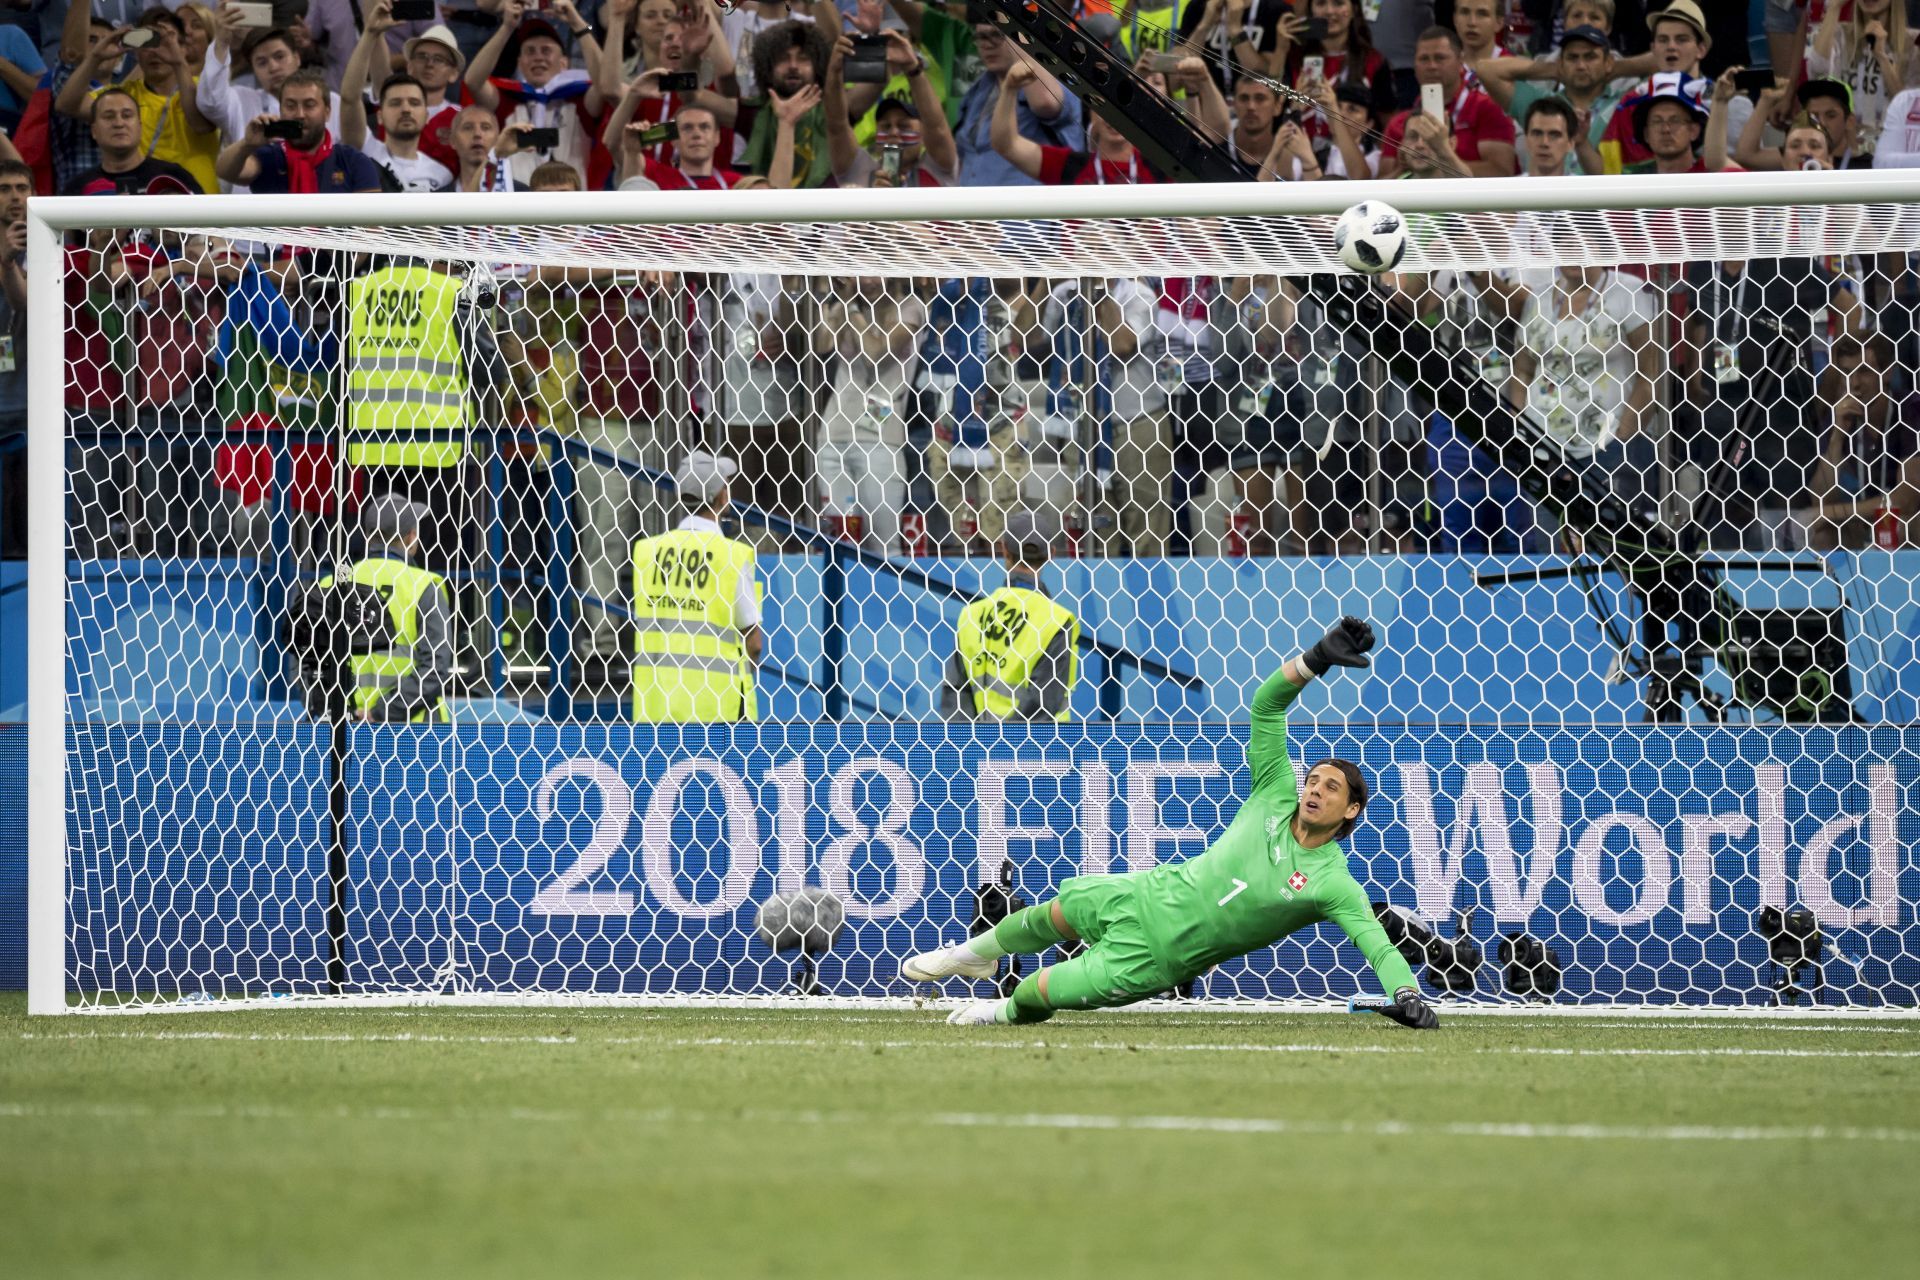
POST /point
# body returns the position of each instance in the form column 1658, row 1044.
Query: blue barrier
column 606, row 857
column 184, row 635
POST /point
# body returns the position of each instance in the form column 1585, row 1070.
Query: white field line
column 1235, row 1125
column 991, row 1041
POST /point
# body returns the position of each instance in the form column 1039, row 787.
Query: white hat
column 439, row 33
column 703, row 475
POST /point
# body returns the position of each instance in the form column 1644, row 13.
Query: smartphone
column 1313, row 68
column 261, row 15
column 659, row 133
column 1164, row 62
column 539, row 139
column 1433, row 101
column 138, row 38
column 403, row 10
column 284, row 130
column 1316, row 31
column 680, row 82
column 1752, row 82
column 890, row 160
column 867, row 64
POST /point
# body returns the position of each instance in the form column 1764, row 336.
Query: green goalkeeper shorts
column 1119, row 965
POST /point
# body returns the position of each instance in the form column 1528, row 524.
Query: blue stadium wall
column 1640, row 851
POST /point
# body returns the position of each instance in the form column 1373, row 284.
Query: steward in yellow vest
column 696, row 610
column 1018, row 652
column 406, row 368
column 407, row 682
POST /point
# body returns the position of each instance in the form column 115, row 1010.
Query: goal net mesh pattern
column 1626, row 494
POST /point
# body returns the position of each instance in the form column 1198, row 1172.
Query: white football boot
column 977, row 1013
column 947, row 962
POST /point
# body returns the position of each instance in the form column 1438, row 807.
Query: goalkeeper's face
column 1333, row 796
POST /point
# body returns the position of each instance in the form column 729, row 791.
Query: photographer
column 405, row 684
column 1868, row 463
column 296, row 154
column 912, row 143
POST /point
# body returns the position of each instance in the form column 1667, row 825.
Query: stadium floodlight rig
column 1791, row 662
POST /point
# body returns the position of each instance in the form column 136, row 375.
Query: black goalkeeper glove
column 1409, row 1010
column 1345, row 645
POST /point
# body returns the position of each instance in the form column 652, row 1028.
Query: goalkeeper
column 1277, row 868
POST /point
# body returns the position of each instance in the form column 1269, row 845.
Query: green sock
column 1025, row 932
column 1025, row 1004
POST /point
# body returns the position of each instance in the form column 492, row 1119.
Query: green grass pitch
column 795, row 1143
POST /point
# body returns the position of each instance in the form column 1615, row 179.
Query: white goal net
column 669, row 512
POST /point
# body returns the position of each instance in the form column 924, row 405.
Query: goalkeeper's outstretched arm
column 1344, row 645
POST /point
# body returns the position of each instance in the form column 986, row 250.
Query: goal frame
column 50, row 218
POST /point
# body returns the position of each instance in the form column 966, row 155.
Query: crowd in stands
column 849, row 404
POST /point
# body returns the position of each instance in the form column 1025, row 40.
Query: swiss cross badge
column 1297, row 881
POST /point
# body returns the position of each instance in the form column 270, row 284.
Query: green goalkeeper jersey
column 1255, row 884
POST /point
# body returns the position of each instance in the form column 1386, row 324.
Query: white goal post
column 1624, row 703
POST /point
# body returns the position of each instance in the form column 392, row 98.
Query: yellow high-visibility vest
column 689, row 656
column 375, row 675
column 405, row 371
column 1002, row 638
column 1156, row 27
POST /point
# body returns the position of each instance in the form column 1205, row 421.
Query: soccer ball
column 1371, row 237
column 810, row 920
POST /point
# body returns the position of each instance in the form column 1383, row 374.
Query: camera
column 654, row 135
column 138, row 38
column 680, row 82
column 890, row 160
column 1529, row 966
column 539, row 139
column 867, row 64
column 284, row 130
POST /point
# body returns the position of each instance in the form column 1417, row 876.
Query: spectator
column 70, row 139
column 1242, row 36
column 1016, row 653
column 1256, row 111
column 169, row 128
column 1549, row 130
column 1045, row 113
column 686, row 47
column 1670, row 126
column 1873, row 55
column 872, row 336
column 1110, row 158
column 1583, row 76
column 198, row 21
column 1899, row 145
column 741, row 27
column 16, row 185
column 1805, row 144
column 1743, row 415
column 433, row 63
column 1290, row 158
column 1680, row 44
column 1480, row 25
column 1349, row 113
column 787, row 59
column 1870, row 460
column 1397, row 27
column 1826, row 104
column 697, row 637
column 270, row 54
column 638, row 33
column 1585, row 362
column 336, row 27
column 913, row 146
column 1476, row 138
column 403, row 113
column 1347, row 56
column 693, row 168
column 477, row 137
column 547, row 93
column 125, row 168
column 21, row 67
column 305, row 165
